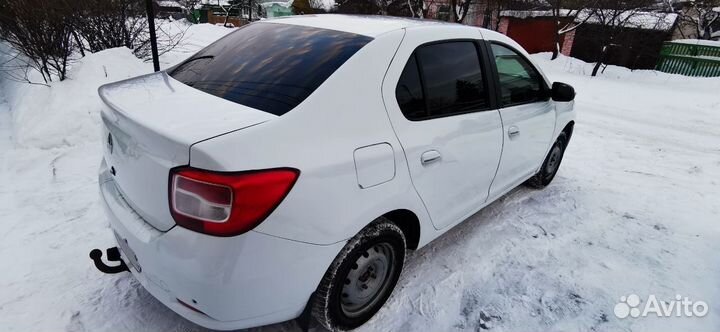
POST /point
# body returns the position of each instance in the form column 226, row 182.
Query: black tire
column 551, row 164
column 332, row 306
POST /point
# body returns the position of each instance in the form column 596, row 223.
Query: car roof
column 367, row 25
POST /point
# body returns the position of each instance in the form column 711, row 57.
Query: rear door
column 528, row 117
column 439, row 102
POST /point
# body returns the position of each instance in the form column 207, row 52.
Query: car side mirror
column 562, row 92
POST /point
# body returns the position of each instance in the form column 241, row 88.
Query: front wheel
column 551, row 164
column 361, row 278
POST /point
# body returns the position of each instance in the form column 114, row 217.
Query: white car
column 284, row 170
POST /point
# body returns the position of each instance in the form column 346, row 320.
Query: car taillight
column 227, row 204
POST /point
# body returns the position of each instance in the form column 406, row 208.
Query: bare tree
column 458, row 10
column 421, row 8
column 16, row 66
column 701, row 17
column 492, row 10
column 190, row 6
column 41, row 31
column 227, row 9
column 565, row 14
column 415, row 8
column 103, row 24
column 301, row 7
column 614, row 17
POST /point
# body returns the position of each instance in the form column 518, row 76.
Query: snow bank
column 701, row 42
column 67, row 113
column 566, row 65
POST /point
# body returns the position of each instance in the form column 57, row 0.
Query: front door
column 528, row 118
column 439, row 104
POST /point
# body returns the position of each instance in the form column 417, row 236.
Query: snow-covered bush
column 41, row 31
column 104, row 24
column 49, row 35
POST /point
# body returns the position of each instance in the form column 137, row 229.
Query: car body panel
column 374, row 164
column 323, row 150
column 528, row 131
column 149, row 124
column 236, row 282
column 469, row 145
column 367, row 25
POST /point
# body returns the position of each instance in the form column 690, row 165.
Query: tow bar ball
column 113, row 255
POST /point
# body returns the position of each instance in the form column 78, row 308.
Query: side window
column 520, row 83
column 441, row 80
column 409, row 92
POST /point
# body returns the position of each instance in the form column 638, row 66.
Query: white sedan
column 284, row 170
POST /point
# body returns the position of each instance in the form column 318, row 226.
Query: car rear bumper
column 244, row 281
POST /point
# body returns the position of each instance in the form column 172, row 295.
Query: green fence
column 689, row 59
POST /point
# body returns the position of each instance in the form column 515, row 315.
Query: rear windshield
column 268, row 66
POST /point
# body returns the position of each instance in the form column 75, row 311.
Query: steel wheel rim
column 553, row 160
column 368, row 279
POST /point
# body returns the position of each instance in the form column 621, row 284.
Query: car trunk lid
column 149, row 124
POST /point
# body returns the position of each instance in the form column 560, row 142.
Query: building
column 277, row 8
column 635, row 43
column 168, row 8
column 535, row 30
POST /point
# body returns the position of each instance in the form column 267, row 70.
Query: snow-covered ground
column 635, row 209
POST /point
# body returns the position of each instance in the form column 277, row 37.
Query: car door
column 441, row 107
column 528, row 117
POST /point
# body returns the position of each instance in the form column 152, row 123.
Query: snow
column 633, row 19
column 535, row 13
column 707, row 57
column 168, row 4
column 634, row 209
column 72, row 116
column 713, row 43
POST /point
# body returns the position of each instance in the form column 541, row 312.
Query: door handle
column 513, row 131
column 429, row 157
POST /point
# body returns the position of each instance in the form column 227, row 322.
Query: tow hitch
column 113, row 255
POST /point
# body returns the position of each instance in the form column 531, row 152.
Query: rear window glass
column 269, row 66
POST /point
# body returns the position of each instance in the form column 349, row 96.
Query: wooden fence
column 689, row 59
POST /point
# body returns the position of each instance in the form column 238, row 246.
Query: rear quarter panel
column 346, row 112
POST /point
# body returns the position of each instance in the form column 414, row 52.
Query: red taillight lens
column 227, row 204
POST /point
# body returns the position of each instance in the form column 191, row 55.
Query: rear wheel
column 361, row 278
column 550, row 165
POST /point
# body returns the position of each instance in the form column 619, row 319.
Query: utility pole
column 153, row 38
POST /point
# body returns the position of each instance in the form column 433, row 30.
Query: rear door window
column 272, row 67
column 442, row 79
column 409, row 92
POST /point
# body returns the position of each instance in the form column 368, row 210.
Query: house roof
column 634, row 19
column 531, row 13
column 168, row 3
